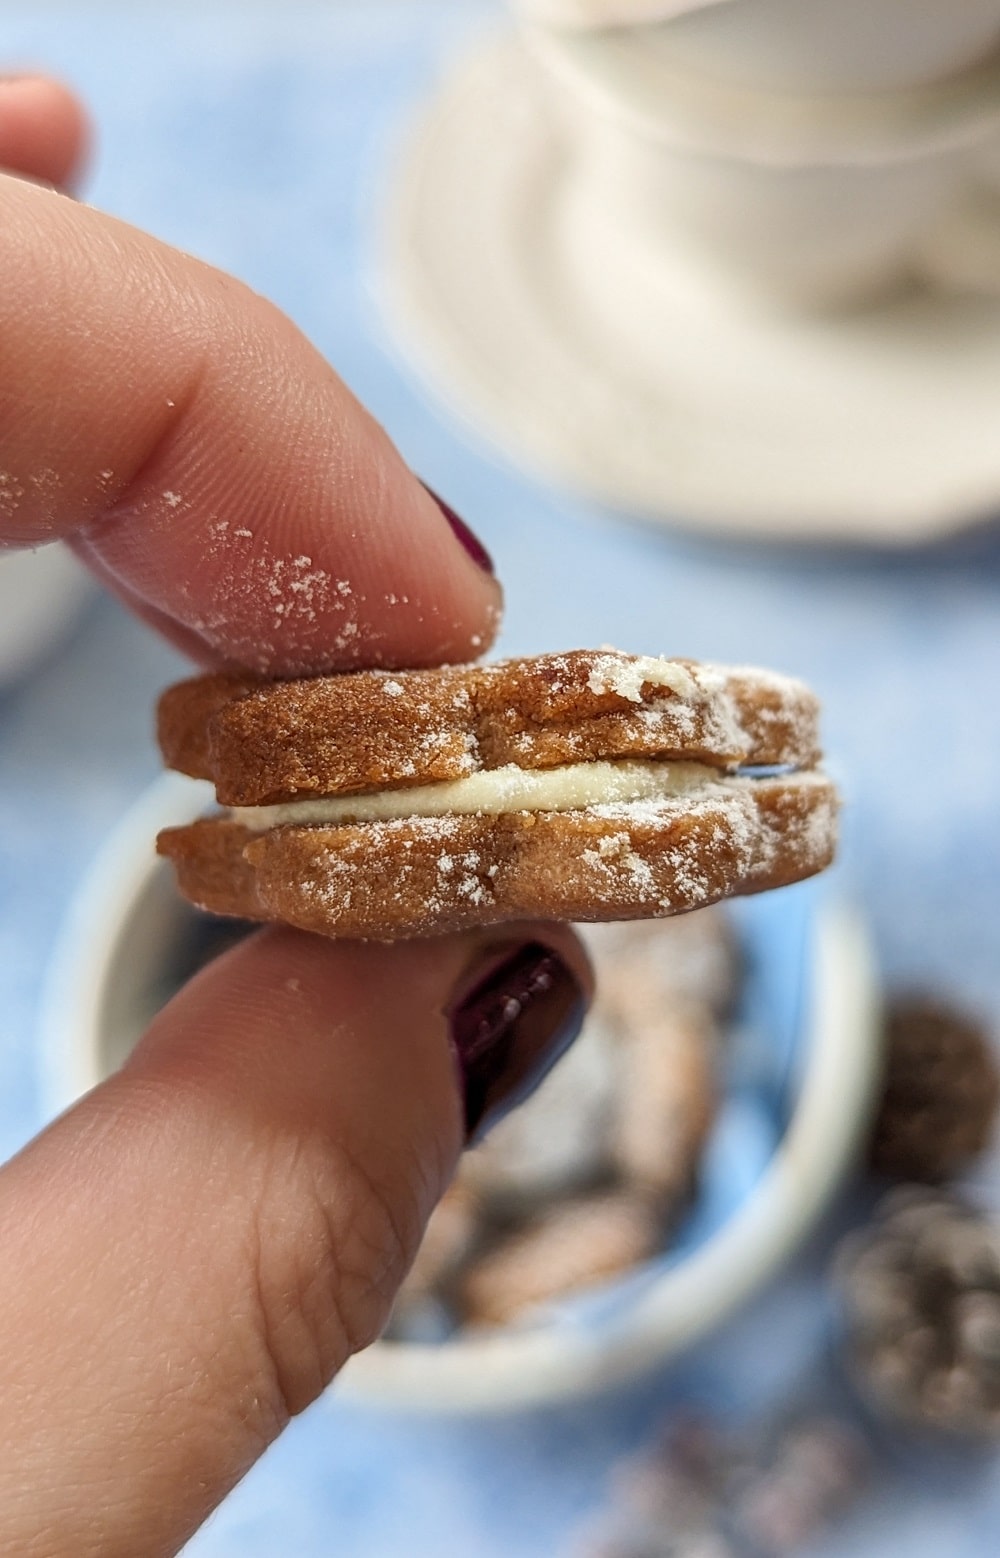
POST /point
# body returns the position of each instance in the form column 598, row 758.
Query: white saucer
column 648, row 383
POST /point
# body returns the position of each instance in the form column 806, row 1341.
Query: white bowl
column 40, row 596
column 829, row 45
column 108, row 977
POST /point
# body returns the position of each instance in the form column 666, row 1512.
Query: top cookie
column 262, row 743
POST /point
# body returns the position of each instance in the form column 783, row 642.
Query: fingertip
column 517, row 1010
column 485, row 588
column 45, row 132
column 463, row 533
column 209, row 463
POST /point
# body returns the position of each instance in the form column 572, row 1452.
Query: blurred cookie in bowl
column 558, row 1142
column 569, row 1246
column 664, row 998
column 585, row 1180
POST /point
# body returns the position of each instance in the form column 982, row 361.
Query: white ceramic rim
column 665, row 102
column 524, row 1368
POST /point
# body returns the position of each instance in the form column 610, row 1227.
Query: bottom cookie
column 419, row 876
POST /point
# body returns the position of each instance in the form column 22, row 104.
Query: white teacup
column 961, row 252
column 987, row 165
column 604, row 13
column 814, row 235
column 845, row 46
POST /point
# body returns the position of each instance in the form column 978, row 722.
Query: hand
column 190, row 1254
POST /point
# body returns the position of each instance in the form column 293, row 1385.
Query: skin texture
column 192, row 1252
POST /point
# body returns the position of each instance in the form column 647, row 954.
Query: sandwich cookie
column 590, row 785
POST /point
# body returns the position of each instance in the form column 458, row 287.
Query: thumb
column 194, row 1250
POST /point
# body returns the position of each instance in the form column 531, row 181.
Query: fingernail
column 475, row 548
column 509, row 1029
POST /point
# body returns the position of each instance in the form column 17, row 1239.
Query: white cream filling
column 494, row 791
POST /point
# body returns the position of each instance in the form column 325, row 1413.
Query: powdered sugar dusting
column 42, row 489
column 617, row 861
column 297, row 595
column 784, row 708
column 626, row 675
column 11, row 493
column 461, row 879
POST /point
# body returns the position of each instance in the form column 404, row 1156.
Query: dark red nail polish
column 510, row 1027
column 475, row 548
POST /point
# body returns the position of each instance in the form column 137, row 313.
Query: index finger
column 208, row 463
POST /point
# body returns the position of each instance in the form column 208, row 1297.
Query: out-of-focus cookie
column 423, row 1307
column 450, row 1236
column 558, row 1142
column 689, row 957
column 575, row 1245
column 666, row 1101
column 621, row 1121
column 662, row 989
column 634, row 1098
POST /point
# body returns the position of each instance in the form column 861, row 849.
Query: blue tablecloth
column 261, row 137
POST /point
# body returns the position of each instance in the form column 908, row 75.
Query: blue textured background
column 260, row 137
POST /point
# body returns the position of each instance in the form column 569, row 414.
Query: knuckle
column 329, row 1246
